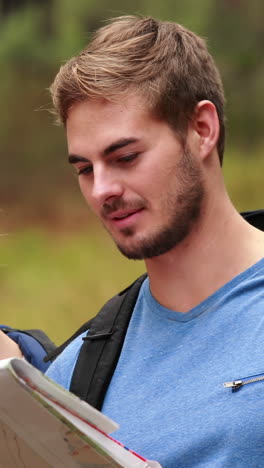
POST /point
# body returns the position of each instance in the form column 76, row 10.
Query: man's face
column 135, row 175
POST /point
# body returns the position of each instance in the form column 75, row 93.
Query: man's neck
column 221, row 246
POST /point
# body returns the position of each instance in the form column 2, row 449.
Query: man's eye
column 128, row 158
column 85, row 170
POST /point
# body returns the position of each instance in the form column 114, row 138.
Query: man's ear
column 205, row 124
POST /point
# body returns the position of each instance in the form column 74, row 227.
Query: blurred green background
column 57, row 266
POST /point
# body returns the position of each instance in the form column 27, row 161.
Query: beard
column 181, row 201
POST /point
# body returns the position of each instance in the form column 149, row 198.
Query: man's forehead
column 91, row 108
column 105, row 121
column 100, row 127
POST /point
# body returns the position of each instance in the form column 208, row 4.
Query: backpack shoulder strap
column 256, row 218
column 102, row 346
column 52, row 354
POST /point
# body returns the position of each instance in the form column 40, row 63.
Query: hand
column 8, row 347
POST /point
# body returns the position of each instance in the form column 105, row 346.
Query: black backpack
column 103, row 343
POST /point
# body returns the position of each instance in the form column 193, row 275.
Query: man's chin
column 130, row 249
column 131, row 254
column 141, row 249
column 146, row 248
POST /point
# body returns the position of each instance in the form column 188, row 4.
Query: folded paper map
column 42, row 425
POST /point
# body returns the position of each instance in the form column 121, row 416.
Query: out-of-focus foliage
column 36, row 36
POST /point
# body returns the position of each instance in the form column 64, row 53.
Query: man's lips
column 123, row 214
column 122, row 219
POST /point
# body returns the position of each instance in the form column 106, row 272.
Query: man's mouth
column 123, row 219
column 124, row 214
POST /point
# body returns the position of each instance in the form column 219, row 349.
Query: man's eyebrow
column 119, row 144
column 73, row 159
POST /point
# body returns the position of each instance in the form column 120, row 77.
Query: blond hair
column 163, row 62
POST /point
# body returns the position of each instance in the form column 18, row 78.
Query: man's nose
column 105, row 185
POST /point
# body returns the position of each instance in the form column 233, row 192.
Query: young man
column 143, row 108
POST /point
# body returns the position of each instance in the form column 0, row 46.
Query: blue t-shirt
column 168, row 393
